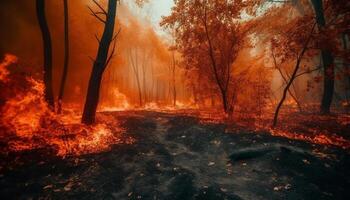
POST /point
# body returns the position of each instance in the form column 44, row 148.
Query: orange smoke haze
column 150, row 51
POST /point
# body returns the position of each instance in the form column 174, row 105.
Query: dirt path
column 176, row 157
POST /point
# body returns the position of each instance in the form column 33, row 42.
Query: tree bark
column 47, row 49
column 66, row 56
column 100, row 64
column 327, row 61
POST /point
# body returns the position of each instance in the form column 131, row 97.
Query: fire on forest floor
column 27, row 122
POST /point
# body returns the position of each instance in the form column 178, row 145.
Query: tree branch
column 102, row 9
column 95, row 15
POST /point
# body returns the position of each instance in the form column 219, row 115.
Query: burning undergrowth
column 329, row 130
column 313, row 127
column 28, row 123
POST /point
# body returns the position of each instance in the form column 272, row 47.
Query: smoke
column 21, row 36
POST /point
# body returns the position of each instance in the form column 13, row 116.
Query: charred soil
column 181, row 157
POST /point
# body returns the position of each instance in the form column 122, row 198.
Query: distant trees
column 102, row 59
column 134, row 60
column 173, row 79
column 47, row 49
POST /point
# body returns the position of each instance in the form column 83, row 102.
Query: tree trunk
column 346, row 66
column 292, row 77
column 174, row 89
column 328, row 83
column 135, row 66
column 327, row 61
column 214, row 67
column 144, row 88
column 174, row 81
column 66, row 56
column 47, row 48
column 99, row 66
column 224, row 100
column 286, row 82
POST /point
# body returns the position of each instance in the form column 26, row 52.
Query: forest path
column 176, row 157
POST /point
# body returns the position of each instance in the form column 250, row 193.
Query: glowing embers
column 73, row 139
column 312, row 127
column 28, row 123
column 320, row 138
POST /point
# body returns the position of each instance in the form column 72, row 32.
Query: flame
column 119, row 102
column 152, row 106
column 320, row 138
column 30, row 124
column 21, row 112
column 8, row 60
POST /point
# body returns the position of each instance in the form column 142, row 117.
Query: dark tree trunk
column 346, row 65
column 224, row 101
column 286, row 82
column 328, row 83
column 222, row 89
column 327, row 61
column 292, row 78
column 47, row 48
column 99, row 66
column 66, row 56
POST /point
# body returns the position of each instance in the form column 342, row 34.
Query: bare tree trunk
column 345, row 41
column 47, row 48
column 66, row 56
column 157, row 91
column 153, row 80
column 327, row 61
column 101, row 62
column 293, row 76
column 174, row 81
column 144, row 77
column 135, row 67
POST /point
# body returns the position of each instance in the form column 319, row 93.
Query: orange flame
column 30, row 124
column 119, row 102
column 8, row 60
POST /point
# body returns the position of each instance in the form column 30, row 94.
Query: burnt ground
column 177, row 157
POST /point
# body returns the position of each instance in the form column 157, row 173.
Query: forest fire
column 119, row 102
column 29, row 123
column 175, row 99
